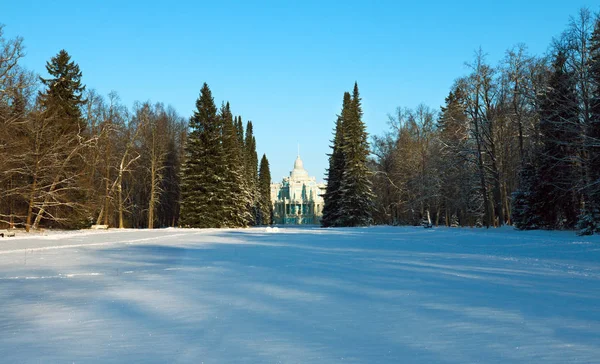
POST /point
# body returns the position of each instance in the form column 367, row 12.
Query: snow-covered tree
column 356, row 196
column 331, row 209
column 264, row 186
column 202, row 173
column 236, row 195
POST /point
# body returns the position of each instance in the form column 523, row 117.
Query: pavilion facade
column 298, row 199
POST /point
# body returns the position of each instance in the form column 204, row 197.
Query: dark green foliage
column 356, row 196
column 63, row 97
column 203, row 168
column 240, row 132
column 590, row 216
column 220, row 175
column 525, row 212
column 235, row 192
column 458, row 195
column 264, row 186
column 251, row 169
column 331, row 210
column 350, row 197
column 560, row 135
column 587, row 222
column 58, row 136
column 548, row 196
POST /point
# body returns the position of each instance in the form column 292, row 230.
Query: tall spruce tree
column 356, row 196
column 251, row 167
column 63, row 97
column 264, row 186
column 203, row 169
column 589, row 222
column 236, row 196
column 331, row 208
column 560, row 135
column 239, row 126
column 454, row 167
column 57, row 191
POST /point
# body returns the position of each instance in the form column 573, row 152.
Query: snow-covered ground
column 300, row 295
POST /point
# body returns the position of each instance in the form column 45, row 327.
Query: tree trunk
column 31, row 201
column 481, row 167
column 152, row 195
column 40, row 213
column 107, row 184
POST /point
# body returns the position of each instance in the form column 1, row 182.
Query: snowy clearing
column 301, row 295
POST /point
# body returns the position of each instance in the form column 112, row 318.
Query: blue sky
column 282, row 64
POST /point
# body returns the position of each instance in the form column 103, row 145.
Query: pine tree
column 236, row 196
column 560, row 135
column 331, row 209
column 264, row 182
column 356, row 197
column 203, row 168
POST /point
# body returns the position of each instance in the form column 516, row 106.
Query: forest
column 516, row 142
column 72, row 158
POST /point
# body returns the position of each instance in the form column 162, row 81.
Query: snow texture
column 302, row 295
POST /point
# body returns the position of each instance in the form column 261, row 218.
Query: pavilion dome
column 298, row 164
column 299, row 172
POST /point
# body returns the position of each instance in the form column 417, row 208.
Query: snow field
column 300, row 295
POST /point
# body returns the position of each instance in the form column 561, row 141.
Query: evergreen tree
column 251, row 168
column 331, row 209
column 240, row 132
column 590, row 218
column 560, row 135
column 203, row 168
column 58, row 190
column 525, row 211
column 236, row 196
column 264, row 182
column 63, row 97
column 356, row 197
column 454, row 167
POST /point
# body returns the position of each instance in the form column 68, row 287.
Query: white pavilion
column 298, row 199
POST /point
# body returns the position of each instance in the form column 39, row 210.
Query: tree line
column 70, row 158
column 515, row 143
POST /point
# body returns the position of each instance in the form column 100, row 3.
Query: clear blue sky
column 282, row 64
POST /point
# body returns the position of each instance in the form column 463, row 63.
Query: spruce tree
column 240, row 132
column 454, row 169
column 526, row 201
column 589, row 221
column 251, row 167
column 264, row 183
column 60, row 142
column 63, row 97
column 236, row 196
column 356, row 196
column 560, row 135
column 202, row 172
column 331, row 208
